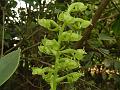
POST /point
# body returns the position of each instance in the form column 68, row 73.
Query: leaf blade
column 8, row 65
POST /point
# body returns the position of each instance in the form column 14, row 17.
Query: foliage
column 63, row 61
column 100, row 40
column 8, row 65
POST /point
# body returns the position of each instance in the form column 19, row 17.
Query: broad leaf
column 116, row 26
column 66, row 17
column 103, row 36
column 8, row 65
column 79, row 54
column 74, row 76
column 71, row 51
column 49, row 46
column 85, row 23
column 36, row 70
column 67, row 64
column 80, row 23
column 49, row 24
column 78, row 6
column 70, row 36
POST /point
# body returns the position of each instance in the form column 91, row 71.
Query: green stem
column 54, row 81
column 3, row 32
column 60, row 32
column 54, row 85
column 55, row 76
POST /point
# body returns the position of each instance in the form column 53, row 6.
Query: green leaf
column 66, row 17
column 36, row 70
column 79, row 54
column 70, row 36
column 117, row 65
column 68, row 51
column 80, row 23
column 103, row 36
column 49, row 46
column 85, row 23
column 53, row 44
column 116, row 26
column 46, row 72
column 95, row 42
column 8, row 65
column 77, row 23
column 107, row 62
column 67, row 64
column 44, row 49
column 72, row 77
column 8, row 35
column 48, row 77
column 104, row 51
column 49, row 24
column 78, row 6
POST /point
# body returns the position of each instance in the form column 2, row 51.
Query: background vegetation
column 101, row 41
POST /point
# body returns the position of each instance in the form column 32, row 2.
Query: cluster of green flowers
column 65, row 59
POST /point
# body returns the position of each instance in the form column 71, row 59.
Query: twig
column 90, row 84
column 30, row 47
column 19, row 43
column 38, row 59
column 33, row 34
column 28, row 81
column 110, row 17
column 95, row 18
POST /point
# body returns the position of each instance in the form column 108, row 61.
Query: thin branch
column 19, row 43
column 39, row 60
column 28, row 81
column 110, row 17
column 30, row 47
column 36, row 31
column 90, row 84
column 95, row 18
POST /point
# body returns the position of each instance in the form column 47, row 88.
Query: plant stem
column 60, row 32
column 54, row 80
column 3, row 32
column 56, row 60
column 55, row 73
